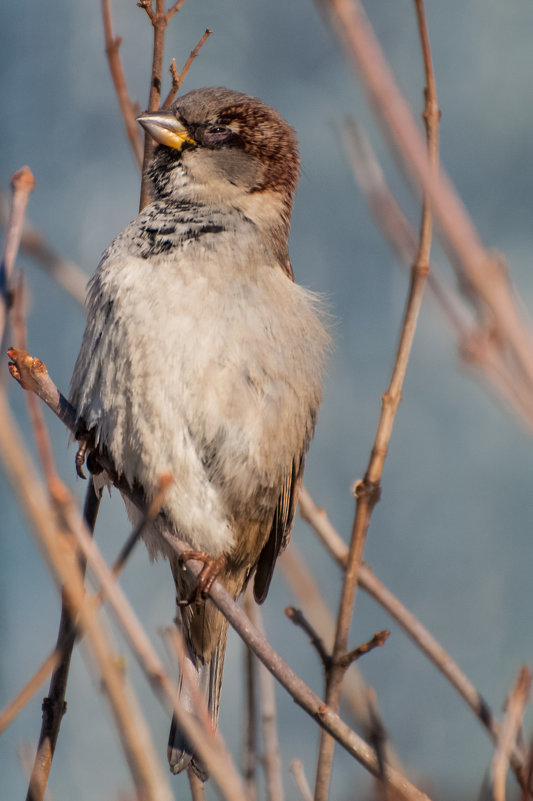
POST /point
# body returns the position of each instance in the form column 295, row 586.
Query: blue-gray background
column 451, row 536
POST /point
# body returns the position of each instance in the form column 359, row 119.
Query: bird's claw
column 210, row 570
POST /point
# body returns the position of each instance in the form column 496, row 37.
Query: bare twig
column 196, row 785
column 54, row 705
column 297, row 617
column 159, row 20
column 133, row 732
column 33, row 244
column 22, row 183
column 127, row 108
column 297, row 770
column 379, row 638
column 420, row 636
column 177, row 80
column 368, row 490
column 302, row 694
column 482, row 272
column 271, row 755
column 249, row 746
column 508, row 732
column 8, row 715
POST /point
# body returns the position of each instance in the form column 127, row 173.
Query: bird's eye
column 216, row 134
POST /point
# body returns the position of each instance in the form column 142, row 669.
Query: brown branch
column 127, row 108
column 297, row 770
column 177, row 80
column 509, row 730
column 146, row 656
column 297, row 617
column 271, row 760
column 8, row 715
column 418, row 634
column 22, row 183
column 63, row 564
column 368, row 490
column 249, row 745
column 379, row 639
column 197, row 786
column 481, row 271
column 33, row 244
column 159, row 22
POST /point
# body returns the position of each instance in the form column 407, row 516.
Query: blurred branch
column 61, row 559
column 127, row 108
column 509, row 730
column 368, row 490
column 420, row 636
column 33, row 244
column 249, row 743
column 297, row 770
column 483, row 274
column 271, row 757
column 141, row 647
column 22, row 183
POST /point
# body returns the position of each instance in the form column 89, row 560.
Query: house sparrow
column 202, row 357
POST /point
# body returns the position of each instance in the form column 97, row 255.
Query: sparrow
column 203, row 358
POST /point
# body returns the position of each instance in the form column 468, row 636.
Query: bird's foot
column 208, row 574
column 87, row 453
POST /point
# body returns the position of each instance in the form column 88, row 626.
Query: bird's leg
column 87, row 453
column 210, row 570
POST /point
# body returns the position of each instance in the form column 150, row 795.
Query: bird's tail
column 199, row 676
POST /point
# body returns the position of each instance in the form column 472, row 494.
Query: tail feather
column 207, row 677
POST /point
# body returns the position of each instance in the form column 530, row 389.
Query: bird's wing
column 281, row 529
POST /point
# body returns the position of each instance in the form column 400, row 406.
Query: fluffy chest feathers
column 203, row 359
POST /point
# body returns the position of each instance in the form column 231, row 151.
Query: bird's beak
column 165, row 128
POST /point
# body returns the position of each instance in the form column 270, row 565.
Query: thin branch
column 249, row 746
column 481, row 271
column 127, row 108
column 379, row 639
column 62, row 562
column 54, row 705
column 297, row 617
column 159, row 23
column 368, row 490
column 197, row 786
column 177, row 80
column 272, row 764
column 300, row 692
column 419, row 635
column 297, row 770
column 67, row 274
column 22, row 183
column 8, row 715
column 509, row 729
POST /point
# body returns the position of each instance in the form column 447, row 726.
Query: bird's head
column 225, row 146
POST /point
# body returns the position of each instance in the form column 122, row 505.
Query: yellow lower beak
column 165, row 129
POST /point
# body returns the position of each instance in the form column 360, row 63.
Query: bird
column 203, row 358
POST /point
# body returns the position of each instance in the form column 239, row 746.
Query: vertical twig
column 249, row 759
column 368, row 490
column 127, row 108
column 22, row 183
column 159, row 20
column 54, row 705
column 508, row 733
column 271, row 755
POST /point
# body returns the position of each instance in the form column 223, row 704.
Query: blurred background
column 451, row 536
